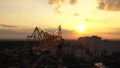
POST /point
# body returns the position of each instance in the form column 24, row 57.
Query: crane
column 41, row 40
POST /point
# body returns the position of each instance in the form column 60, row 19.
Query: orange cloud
column 57, row 4
column 110, row 5
column 4, row 25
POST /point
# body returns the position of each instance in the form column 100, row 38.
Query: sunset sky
column 18, row 18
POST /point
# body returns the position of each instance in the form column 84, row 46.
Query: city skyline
column 18, row 18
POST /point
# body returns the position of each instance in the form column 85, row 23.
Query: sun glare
column 81, row 29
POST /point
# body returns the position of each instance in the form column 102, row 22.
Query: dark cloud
column 68, row 32
column 23, row 34
column 7, row 31
column 4, row 25
column 10, row 31
column 57, row 4
column 110, row 5
column 72, row 2
column 113, row 33
column 60, row 2
column 56, row 1
column 51, row 30
column 12, row 34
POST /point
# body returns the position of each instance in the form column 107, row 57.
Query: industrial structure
column 41, row 40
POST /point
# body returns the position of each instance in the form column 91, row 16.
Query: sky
column 18, row 18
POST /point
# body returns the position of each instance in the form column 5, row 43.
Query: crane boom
column 41, row 40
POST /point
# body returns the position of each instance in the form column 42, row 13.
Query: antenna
column 60, row 31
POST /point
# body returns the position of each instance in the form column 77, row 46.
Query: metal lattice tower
column 41, row 40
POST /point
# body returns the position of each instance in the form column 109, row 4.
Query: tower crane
column 41, row 40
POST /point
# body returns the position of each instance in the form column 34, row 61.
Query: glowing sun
column 81, row 29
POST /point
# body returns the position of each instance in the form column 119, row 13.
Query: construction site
column 43, row 49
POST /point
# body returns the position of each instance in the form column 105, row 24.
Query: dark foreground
column 11, row 56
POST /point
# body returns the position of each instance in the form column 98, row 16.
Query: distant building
column 92, row 44
column 87, row 47
column 99, row 47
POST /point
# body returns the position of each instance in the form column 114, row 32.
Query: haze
column 18, row 18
